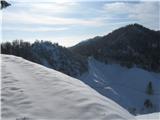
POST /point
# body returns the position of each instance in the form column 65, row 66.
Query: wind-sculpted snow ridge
column 34, row 92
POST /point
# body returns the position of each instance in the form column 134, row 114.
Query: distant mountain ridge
column 130, row 45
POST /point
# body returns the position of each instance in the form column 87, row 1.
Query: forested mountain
column 47, row 54
column 130, row 45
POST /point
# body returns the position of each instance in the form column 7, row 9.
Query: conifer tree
column 149, row 89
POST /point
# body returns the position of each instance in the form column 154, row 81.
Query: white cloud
column 42, row 1
column 64, row 1
column 132, row 8
column 116, row 7
column 26, row 18
column 146, row 13
column 145, row 10
column 45, row 14
column 52, row 8
column 34, row 29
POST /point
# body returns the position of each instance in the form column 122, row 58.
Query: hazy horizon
column 69, row 23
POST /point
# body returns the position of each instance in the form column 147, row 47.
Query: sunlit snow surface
column 33, row 92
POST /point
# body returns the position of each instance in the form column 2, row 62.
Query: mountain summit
column 128, row 46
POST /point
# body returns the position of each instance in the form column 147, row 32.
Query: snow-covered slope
column 31, row 91
column 153, row 116
column 125, row 86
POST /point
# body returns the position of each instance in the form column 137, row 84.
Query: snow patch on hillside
column 31, row 91
column 125, row 86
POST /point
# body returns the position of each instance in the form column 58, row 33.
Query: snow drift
column 31, row 91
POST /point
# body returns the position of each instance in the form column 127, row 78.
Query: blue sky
column 68, row 23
